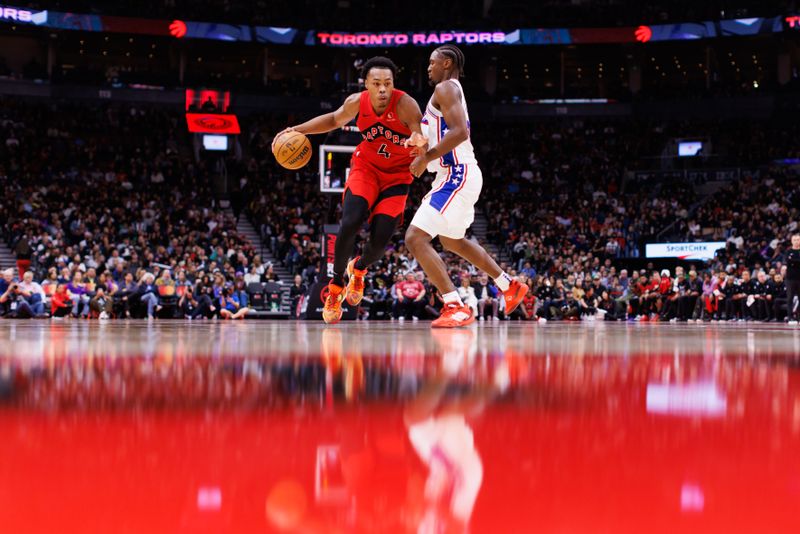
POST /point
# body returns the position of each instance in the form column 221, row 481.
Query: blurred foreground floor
column 131, row 427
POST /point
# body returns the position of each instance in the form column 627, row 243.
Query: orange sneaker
column 332, row 312
column 514, row 295
column 355, row 286
column 454, row 316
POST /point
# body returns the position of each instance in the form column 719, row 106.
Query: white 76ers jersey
column 435, row 129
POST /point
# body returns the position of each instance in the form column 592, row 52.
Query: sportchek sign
column 684, row 251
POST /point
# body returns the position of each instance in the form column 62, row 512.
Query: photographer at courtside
column 13, row 303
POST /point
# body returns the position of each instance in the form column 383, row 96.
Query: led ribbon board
column 276, row 35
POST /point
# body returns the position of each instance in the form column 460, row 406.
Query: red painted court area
column 354, row 429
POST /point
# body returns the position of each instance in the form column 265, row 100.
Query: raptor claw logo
column 643, row 34
column 177, row 29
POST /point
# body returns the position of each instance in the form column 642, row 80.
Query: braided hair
column 454, row 53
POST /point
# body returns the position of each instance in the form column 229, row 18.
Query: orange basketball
column 292, row 150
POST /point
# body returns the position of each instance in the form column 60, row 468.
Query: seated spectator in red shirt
column 410, row 298
column 61, row 303
column 650, row 296
column 527, row 310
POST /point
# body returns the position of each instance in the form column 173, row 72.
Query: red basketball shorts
column 385, row 192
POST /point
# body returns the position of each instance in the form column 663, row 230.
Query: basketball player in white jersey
column 449, row 208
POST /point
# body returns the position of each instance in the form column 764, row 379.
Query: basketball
column 292, row 150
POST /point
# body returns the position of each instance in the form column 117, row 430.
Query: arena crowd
column 113, row 217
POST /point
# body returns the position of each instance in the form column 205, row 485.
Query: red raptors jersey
column 383, row 136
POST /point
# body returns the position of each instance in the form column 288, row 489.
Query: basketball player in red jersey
column 379, row 179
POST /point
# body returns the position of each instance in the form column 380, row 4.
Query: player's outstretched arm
column 329, row 121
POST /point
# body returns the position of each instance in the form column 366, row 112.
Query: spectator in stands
column 649, row 296
column 124, row 297
column 559, row 300
column 51, row 280
column 598, row 285
column 13, row 304
column 167, row 294
column 187, row 303
column 202, row 303
column 33, row 294
column 759, row 304
column 24, row 253
column 101, row 305
column 742, row 310
column 230, row 307
column 6, row 291
column 49, row 286
column 779, row 299
column 665, row 292
column 65, row 276
column 486, row 293
column 410, row 295
column 584, row 300
column 219, row 285
column 90, row 282
column 270, row 275
column 252, row 277
column 670, row 300
column 147, row 293
column 240, row 291
column 297, row 292
column 467, row 293
column 528, row 270
column 182, row 280
column 716, row 303
column 702, row 302
column 606, row 307
column 433, row 302
column 687, row 300
column 527, row 310
column 377, row 298
column 79, row 295
column 60, row 303
column 730, row 298
column 165, row 279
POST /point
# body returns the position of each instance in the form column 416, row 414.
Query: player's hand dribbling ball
column 292, row 150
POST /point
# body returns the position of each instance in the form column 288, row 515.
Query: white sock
column 503, row 281
column 452, row 297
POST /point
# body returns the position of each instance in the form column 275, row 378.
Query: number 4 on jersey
column 383, row 152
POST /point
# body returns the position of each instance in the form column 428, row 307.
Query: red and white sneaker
column 454, row 316
column 514, row 295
